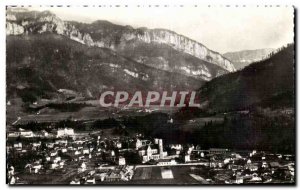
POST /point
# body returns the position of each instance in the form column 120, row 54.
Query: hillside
column 41, row 64
column 269, row 83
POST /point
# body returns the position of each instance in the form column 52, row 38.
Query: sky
column 220, row 28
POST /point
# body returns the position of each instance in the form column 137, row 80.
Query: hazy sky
column 219, row 28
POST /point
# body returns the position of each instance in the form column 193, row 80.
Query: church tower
column 160, row 148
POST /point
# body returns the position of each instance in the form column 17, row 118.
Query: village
column 63, row 156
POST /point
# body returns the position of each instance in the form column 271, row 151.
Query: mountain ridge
column 115, row 38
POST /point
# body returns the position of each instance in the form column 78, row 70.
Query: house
column 78, row 146
column 26, row 133
column 12, row 180
column 53, row 153
column 18, row 145
column 252, row 167
column 227, row 160
column 264, row 164
column 85, row 151
column 121, row 161
column 274, row 164
column 221, row 178
column 187, row 158
column 175, row 146
column 54, row 166
column 42, row 133
column 48, row 158
column 50, row 145
column 76, row 181
column 138, row 144
column 119, row 145
column 237, row 179
column 82, row 167
column 114, row 176
column 143, row 151
column 90, row 180
column 216, row 163
column 13, row 134
column 77, row 152
column 36, row 144
column 92, row 172
column 11, row 171
column 217, row 151
column 63, row 132
column 101, row 176
column 166, row 162
column 112, row 153
column 190, row 148
column 70, row 147
column 234, row 167
column 255, row 178
column 61, row 164
column 64, row 150
column 61, row 142
column 37, row 167
column 56, row 159
column 91, row 149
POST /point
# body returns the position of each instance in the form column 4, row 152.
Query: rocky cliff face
column 108, row 35
column 102, row 35
column 184, row 44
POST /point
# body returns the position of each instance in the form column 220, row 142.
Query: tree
column 132, row 158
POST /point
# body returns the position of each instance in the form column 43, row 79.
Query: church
column 151, row 151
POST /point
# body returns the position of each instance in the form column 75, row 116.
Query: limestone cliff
column 120, row 39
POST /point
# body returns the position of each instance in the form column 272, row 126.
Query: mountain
column 158, row 48
column 241, row 59
column 42, row 65
column 268, row 83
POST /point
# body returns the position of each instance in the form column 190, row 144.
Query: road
column 186, row 164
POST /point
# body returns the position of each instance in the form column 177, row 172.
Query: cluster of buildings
column 228, row 167
column 104, row 173
column 90, row 159
column 55, row 133
column 80, row 157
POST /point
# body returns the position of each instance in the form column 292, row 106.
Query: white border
column 3, row 3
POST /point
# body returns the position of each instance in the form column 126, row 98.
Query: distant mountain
column 158, row 48
column 241, row 59
column 268, row 83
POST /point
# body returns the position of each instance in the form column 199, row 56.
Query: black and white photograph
column 150, row 95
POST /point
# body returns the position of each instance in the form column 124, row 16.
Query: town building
column 218, row 151
column 152, row 152
column 166, row 162
column 63, row 132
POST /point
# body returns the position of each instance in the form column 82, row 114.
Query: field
column 15, row 115
column 197, row 123
column 153, row 175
